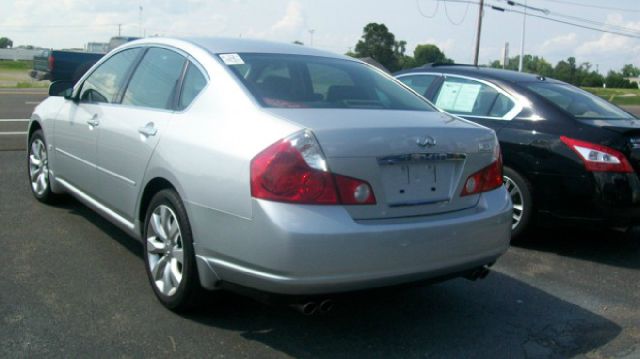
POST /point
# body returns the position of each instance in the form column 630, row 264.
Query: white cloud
column 558, row 43
column 611, row 48
column 290, row 27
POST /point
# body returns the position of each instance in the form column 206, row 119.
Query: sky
column 336, row 25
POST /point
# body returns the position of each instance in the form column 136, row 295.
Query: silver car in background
column 275, row 167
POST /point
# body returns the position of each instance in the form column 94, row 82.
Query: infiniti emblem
column 426, row 141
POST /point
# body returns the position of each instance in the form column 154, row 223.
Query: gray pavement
column 73, row 285
column 17, row 104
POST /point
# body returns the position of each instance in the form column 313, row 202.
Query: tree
column 297, row 42
column 380, row 44
column 616, row 80
column 429, row 54
column 629, row 70
column 5, row 42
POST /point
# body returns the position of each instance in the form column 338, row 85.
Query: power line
column 588, row 21
column 592, row 6
column 446, row 12
column 634, row 36
column 435, row 11
column 549, row 18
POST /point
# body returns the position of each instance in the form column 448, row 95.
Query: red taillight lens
column 294, row 170
column 51, row 62
column 598, row 158
column 487, row 179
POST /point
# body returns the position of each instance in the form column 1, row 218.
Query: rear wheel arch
column 154, row 186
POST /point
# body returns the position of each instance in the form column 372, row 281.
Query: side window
column 419, row 83
column 154, row 82
column 105, row 82
column 194, row 82
column 472, row 98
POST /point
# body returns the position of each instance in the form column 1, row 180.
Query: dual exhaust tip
column 311, row 308
column 325, row 306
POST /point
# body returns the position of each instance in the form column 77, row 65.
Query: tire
column 520, row 191
column 38, row 169
column 176, row 284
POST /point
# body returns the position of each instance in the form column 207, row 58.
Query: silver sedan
column 276, row 167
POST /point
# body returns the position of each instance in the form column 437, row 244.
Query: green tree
column 616, row 80
column 380, row 44
column 297, row 42
column 629, row 70
column 5, row 42
column 429, row 54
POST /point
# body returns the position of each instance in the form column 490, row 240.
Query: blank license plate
column 417, row 183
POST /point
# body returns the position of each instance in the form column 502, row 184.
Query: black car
column 569, row 156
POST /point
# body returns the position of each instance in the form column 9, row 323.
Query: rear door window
column 154, row 82
column 467, row 97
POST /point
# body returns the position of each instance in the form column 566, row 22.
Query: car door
column 76, row 130
column 476, row 100
column 131, row 130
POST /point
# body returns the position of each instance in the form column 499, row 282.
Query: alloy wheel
column 517, row 199
column 39, row 167
column 164, row 250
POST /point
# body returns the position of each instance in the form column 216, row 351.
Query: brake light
column 598, row 158
column 487, row 179
column 51, row 62
column 295, row 170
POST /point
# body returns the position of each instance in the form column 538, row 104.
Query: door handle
column 93, row 121
column 148, row 130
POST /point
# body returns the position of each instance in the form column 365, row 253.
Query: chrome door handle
column 148, row 130
column 93, row 121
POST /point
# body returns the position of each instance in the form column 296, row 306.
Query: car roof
column 483, row 73
column 221, row 45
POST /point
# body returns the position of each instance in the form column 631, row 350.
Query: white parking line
column 13, row 133
column 14, row 120
column 32, row 102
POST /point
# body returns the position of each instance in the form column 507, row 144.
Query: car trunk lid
column 415, row 162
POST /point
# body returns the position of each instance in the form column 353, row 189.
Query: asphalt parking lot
column 73, row 285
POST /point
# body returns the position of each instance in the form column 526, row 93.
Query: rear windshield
column 298, row 81
column 579, row 103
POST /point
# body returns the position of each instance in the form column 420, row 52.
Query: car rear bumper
column 603, row 199
column 305, row 250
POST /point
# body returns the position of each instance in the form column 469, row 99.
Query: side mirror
column 61, row 88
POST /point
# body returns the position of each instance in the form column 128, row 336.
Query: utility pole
column 524, row 23
column 140, row 20
column 480, row 11
column 119, row 28
column 311, row 31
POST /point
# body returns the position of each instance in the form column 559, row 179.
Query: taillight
column 51, row 62
column 487, row 179
column 598, row 158
column 295, row 170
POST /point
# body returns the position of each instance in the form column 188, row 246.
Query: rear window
column 579, row 103
column 298, row 81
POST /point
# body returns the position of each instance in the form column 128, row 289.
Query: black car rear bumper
column 601, row 198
